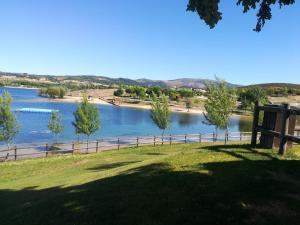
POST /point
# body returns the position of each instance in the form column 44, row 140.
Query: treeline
column 34, row 84
column 148, row 93
column 53, row 92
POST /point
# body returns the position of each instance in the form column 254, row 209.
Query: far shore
column 20, row 87
column 128, row 105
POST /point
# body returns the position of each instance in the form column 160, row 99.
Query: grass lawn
column 178, row 184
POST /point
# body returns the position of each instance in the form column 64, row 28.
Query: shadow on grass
column 233, row 193
column 241, row 152
column 111, row 165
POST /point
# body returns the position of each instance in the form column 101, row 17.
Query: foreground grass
column 179, row 184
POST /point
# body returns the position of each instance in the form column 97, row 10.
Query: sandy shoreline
column 127, row 105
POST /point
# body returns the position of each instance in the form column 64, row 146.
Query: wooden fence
column 278, row 126
column 27, row 151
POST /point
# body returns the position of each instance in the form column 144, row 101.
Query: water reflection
column 186, row 119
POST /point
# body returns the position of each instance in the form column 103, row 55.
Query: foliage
column 208, row 10
column 55, row 124
column 219, row 104
column 119, row 92
column 156, row 90
column 249, row 96
column 186, row 93
column 9, row 126
column 87, row 118
column 160, row 112
column 53, row 92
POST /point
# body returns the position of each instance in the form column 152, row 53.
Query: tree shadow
column 233, row 193
column 239, row 151
column 111, row 165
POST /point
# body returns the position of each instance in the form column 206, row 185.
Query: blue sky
column 147, row 39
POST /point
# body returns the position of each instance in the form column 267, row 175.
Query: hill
column 101, row 81
column 276, row 85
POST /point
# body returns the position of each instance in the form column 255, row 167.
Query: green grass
column 179, row 184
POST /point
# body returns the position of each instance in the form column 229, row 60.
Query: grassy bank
column 179, row 184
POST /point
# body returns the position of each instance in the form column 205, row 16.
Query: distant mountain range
column 102, row 80
column 107, row 81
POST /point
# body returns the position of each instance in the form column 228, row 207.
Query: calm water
column 115, row 121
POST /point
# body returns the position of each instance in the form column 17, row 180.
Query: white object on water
column 36, row 110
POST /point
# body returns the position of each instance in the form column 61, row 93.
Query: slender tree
column 219, row 104
column 55, row 124
column 87, row 118
column 9, row 126
column 160, row 112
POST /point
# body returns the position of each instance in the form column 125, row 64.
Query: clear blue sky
column 154, row 39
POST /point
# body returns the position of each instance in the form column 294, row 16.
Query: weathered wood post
column 185, row 139
column 170, row 139
column 213, row 138
column 87, row 146
column 225, row 138
column 97, row 146
column 118, row 143
column 154, row 140
column 73, row 148
column 46, row 150
column 255, row 124
column 137, row 141
column 284, row 128
column 241, row 136
column 162, row 139
column 200, row 138
column 15, row 151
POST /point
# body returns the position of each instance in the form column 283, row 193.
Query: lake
column 115, row 121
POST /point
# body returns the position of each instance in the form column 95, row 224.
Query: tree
column 249, row 96
column 55, row 124
column 219, row 104
column 119, row 92
column 188, row 104
column 87, row 118
column 9, row 126
column 208, row 10
column 160, row 113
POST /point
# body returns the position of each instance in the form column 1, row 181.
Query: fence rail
column 27, row 151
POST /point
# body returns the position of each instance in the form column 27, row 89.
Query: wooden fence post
column 118, row 143
column 162, row 139
column 241, row 136
column 15, row 151
column 137, row 141
column 87, row 146
column 170, row 139
column 185, row 139
column 255, row 124
column 200, row 138
column 73, row 148
column 225, row 138
column 213, row 138
column 97, row 146
column 46, row 150
column 154, row 140
column 284, row 128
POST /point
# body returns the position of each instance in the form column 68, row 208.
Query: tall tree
column 219, row 104
column 87, row 118
column 9, row 126
column 160, row 112
column 55, row 124
column 208, row 10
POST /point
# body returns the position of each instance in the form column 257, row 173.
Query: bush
column 119, row 92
